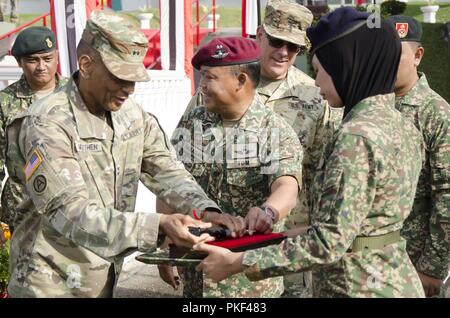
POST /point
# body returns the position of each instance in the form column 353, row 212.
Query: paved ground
column 140, row 280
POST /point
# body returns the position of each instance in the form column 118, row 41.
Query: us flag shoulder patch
column 32, row 164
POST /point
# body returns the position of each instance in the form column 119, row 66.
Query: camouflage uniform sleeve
column 55, row 184
column 195, row 101
column 435, row 258
column 3, row 217
column 286, row 159
column 343, row 205
column 166, row 176
column 2, row 144
column 323, row 133
column 185, row 125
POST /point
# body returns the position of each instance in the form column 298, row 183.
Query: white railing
column 9, row 71
column 166, row 96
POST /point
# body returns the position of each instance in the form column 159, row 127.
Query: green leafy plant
column 392, row 7
column 4, row 267
column 361, row 8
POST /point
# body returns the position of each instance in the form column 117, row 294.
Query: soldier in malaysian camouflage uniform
column 243, row 169
column 35, row 51
column 293, row 95
column 80, row 153
column 427, row 229
column 367, row 179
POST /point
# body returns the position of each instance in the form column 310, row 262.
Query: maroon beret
column 227, row 51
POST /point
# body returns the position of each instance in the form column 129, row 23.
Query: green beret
column 34, row 40
column 408, row 28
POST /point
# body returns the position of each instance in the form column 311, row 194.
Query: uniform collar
column 24, row 90
column 374, row 104
column 415, row 96
column 88, row 125
column 251, row 121
column 285, row 89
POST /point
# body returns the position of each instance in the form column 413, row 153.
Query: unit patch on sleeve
column 33, row 163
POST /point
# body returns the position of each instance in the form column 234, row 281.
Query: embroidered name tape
column 92, row 147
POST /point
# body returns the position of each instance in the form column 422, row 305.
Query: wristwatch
column 270, row 212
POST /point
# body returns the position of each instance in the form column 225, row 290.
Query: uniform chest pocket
column 242, row 177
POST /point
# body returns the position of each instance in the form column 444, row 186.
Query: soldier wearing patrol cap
column 35, row 52
column 253, row 179
column 292, row 94
column 80, row 154
column 426, row 229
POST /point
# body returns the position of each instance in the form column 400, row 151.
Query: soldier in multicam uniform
column 35, row 51
column 427, row 229
column 80, row 153
column 251, row 162
column 293, row 95
column 367, row 180
column 14, row 18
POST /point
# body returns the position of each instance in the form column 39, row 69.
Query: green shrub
column 4, row 266
column 392, row 7
column 361, row 8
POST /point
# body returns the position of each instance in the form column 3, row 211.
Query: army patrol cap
column 287, row 20
column 408, row 28
column 121, row 44
column 33, row 40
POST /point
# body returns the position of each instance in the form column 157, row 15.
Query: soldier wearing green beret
column 427, row 229
column 35, row 52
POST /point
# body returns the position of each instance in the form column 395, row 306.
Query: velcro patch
column 243, row 163
column 133, row 133
column 32, row 164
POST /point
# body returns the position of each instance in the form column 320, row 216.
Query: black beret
column 33, row 40
column 335, row 25
column 408, row 28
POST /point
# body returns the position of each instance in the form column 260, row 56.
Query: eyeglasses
column 277, row 43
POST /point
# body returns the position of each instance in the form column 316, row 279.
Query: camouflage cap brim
column 295, row 36
column 133, row 72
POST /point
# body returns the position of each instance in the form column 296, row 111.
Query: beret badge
column 49, row 43
column 220, row 52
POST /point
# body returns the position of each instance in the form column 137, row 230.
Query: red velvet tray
column 249, row 242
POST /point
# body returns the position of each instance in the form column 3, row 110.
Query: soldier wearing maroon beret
column 246, row 157
column 227, row 51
